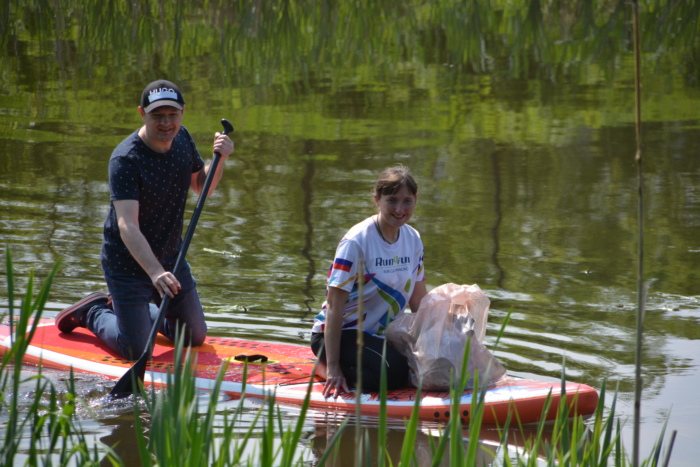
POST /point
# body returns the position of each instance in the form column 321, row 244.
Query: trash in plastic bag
column 434, row 340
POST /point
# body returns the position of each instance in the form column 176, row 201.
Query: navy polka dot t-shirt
column 160, row 183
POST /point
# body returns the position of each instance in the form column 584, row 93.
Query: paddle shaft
column 125, row 385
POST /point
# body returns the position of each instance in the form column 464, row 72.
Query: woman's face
column 395, row 210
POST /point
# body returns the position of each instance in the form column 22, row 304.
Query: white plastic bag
column 434, row 339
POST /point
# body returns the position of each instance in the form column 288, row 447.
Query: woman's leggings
column 396, row 364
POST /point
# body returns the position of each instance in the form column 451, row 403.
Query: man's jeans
column 125, row 329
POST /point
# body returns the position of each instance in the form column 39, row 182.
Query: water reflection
column 307, row 187
column 518, row 128
column 425, row 445
column 497, row 208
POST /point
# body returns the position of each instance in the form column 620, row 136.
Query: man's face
column 162, row 123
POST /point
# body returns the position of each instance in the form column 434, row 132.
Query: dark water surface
column 528, row 185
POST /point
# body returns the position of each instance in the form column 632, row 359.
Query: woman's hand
column 335, row 382
column 335, row 379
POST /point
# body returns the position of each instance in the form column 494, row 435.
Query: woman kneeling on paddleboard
column 390, row 253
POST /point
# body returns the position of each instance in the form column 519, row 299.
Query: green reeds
column 44, row 431
column 182, row 434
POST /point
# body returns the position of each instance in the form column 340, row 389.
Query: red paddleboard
column 286, row 373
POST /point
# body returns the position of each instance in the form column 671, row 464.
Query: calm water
column 528, row 188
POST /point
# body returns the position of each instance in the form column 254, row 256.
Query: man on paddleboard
column 150, row 174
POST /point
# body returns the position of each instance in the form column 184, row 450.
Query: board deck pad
column 285, row 371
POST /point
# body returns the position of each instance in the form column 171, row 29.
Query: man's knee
column 132, row 349
column 196, row 338
column 194, row 334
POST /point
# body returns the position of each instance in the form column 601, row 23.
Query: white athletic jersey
column 390, row 275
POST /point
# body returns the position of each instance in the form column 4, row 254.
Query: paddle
column 125, row 386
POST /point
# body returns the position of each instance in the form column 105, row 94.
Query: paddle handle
column 228, row 128
column 200, row 202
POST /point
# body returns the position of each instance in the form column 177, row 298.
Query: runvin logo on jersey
column 392, row 261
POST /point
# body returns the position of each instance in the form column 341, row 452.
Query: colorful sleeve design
column 342, row 264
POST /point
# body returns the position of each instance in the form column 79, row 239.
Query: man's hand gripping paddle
column 128, row 383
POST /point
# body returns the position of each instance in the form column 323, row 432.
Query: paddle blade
column 129, row 382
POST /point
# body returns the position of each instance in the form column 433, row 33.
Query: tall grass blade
column 367, row 450
column 641, row 299
column 656, row 450
column 455, row 431
column 667, row 459
column 10, row 288
column 360, row 366
column 267, row 456
column 438, row 452
column 382, row 431
column 502, row 329
column 408, row 447
column 608, row 440
column 144, row 453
